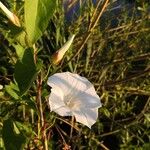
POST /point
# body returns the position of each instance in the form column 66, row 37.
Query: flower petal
column 89, row 98
column 56, row 99
column 80, row 83
column 60, row 80
column 74, row 95
column 57, row 104
column 75, row 87
column 86, row 116
column 69, row 82
column 63, row 111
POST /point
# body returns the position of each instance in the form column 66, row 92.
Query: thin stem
column 71, row 130
column 101, row 144
column 41, row 116
column 94, row 14
column 39, row 84
column 131, row 77
column 99, row 15
column 57, row 128
column 39, row 105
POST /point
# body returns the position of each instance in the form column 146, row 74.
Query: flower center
column 72, row 103
column 69, row 103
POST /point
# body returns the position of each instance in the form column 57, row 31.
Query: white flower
column 73, row 95
column 58, row 55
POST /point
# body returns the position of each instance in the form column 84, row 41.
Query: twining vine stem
column 41, row 125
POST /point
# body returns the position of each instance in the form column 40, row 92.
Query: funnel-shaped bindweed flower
column 12, row 17
column 58, row 55
column 73, row 95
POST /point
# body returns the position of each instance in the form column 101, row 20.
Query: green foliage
column 12, row 90
column 37, row 16
column 13, row 138
column 25, row 71
column 115, row 59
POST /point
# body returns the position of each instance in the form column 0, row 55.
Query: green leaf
column 20, row 51
column 12, row 89
column 26, row 129
column 16, row 34
column 30, row 102
column 12, row 137
column 25, row 71
column 37, row 16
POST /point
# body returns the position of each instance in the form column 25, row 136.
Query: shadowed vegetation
column 111, row 49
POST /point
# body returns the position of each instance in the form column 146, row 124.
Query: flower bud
column 58, row 55
column 12, row 17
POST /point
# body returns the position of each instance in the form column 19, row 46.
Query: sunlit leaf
column 12, row 90
column 37, row 15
